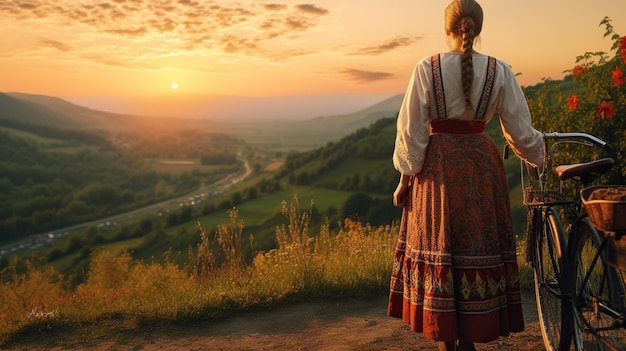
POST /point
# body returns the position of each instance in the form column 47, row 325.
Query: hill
column 27, row 110
column 311, row 133
column 50, row 111
column 343, row 165
column 243, row 109
column 353, row 121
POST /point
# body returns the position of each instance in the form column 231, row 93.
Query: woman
column 455, row 276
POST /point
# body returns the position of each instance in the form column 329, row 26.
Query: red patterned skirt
column 455, row 274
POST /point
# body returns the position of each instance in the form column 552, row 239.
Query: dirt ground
column 351, row 325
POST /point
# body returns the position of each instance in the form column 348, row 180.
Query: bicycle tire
column 596, row 330
column 553, row 289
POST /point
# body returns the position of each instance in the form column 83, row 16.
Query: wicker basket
column 606, row 215
column 534, row 197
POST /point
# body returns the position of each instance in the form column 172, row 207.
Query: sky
column 147, row 48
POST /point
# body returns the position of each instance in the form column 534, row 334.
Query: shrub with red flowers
column 578, row 70
column 572, row 102
column 605, row 110
column 591, row 100
column 618, row 77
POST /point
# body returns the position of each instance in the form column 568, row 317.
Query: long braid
column 467, row 71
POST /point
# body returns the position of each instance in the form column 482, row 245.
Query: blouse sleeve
column 515, row 119
column 413, row 125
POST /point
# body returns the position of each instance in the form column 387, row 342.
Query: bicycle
column 560, row 295
column 600, row 274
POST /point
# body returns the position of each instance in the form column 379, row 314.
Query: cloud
column 128, row 32
column 158, row 26
column 297, row 24
column 365, row 76
column 274, row 7
column 386, row 46
column 289, row 54
column 109, row 60
column 233, row 44
column 26, row 5
column 312, row 9
column 54, row 44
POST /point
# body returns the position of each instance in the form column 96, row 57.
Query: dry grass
column 353, row 261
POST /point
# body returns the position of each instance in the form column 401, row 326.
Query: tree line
column 54, row 183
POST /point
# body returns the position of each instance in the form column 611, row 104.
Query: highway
column 34, row 242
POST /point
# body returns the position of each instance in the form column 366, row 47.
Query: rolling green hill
column 26, row 111
column 343, row 165
column 39, row 110
column 345, row 124
column 312, row 133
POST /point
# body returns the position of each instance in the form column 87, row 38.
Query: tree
column 357, row 204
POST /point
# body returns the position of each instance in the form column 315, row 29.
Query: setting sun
column 174, row 85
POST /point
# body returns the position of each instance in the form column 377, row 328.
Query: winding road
column 39, row 240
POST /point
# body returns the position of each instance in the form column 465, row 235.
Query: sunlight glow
column 256, row 48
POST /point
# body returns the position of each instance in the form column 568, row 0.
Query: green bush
column 592, row 100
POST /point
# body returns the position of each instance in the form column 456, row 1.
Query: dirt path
column 352, row 325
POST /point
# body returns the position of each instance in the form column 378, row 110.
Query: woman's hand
column 401, row 195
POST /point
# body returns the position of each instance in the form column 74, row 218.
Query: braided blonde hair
column 464, row 20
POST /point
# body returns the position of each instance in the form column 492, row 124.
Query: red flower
column 622, row 48
column 618, row 77
column 605, row 110
column 572, row 102
column 578, row 70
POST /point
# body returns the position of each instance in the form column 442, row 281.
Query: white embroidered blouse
column 419, row 108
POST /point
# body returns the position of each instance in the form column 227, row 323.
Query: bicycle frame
column 549, row 227
column 557, row 139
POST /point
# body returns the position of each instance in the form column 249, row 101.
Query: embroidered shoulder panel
column 486, row 95
column 440, row 98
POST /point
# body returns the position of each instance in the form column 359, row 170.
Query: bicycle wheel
column 599, row 293
column 552, row 284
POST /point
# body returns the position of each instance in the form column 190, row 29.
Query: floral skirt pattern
column 455, row 273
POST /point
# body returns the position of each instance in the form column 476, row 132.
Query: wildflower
column 618, row 77
column 578, row 70
column 605, row 110
column 572, row 102
column 622, row 48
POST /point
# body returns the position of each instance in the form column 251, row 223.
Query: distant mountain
column 52, row 112
column 310, row 133
column 345, row 124
column 229, row 108
column 317, row 131
column 40, row 110
column 19, row 109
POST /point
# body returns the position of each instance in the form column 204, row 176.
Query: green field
column 180, row 166
column 30, row 136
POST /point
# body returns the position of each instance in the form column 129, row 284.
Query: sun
column 174, row 86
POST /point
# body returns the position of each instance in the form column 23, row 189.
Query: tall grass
column 354, row 260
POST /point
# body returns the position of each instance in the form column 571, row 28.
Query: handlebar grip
column 584, row 136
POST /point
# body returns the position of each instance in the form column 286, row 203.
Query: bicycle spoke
column 599, row 289
column 551, row 288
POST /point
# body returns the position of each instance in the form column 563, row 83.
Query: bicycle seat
column 586, row 171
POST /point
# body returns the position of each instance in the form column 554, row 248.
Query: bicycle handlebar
column 567, row 136
column 579, row 136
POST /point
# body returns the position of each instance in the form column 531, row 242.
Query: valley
column 164, row 190
column 339, row 165
column 42, row 240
